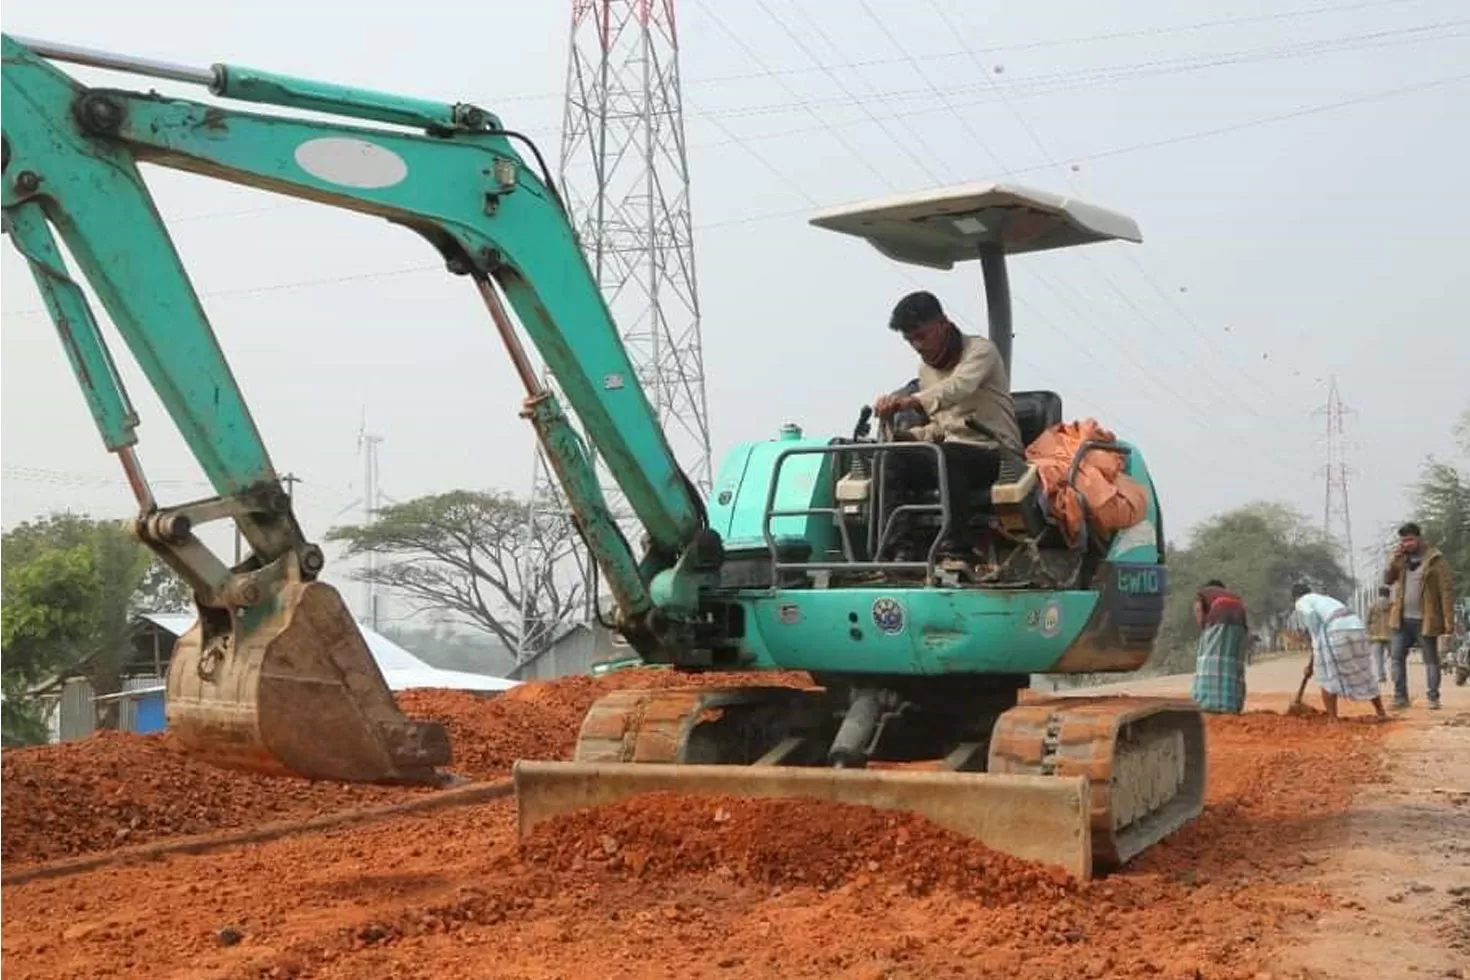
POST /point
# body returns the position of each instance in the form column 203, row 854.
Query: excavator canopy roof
column 940, row 227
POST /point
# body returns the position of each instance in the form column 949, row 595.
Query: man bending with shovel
column 1342, row 657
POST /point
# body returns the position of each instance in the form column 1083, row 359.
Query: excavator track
column 1144, row 760
column 695, row 725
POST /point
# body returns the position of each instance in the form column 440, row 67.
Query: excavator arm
column 275, row 671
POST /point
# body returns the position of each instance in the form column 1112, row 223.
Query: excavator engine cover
column 297, row 694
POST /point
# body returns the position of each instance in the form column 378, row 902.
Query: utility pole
column 1337, row 521
column 625, row 177
column 369, row 443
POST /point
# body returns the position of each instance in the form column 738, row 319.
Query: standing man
column 1219, row 663
column 1342, row 660
column 1423, row 610
column 1380, row 632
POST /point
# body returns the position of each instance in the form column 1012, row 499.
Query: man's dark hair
column 1214, row 583
column 1385, row 591
column 1410, row 528
column 1300, row 589
column 915, row 310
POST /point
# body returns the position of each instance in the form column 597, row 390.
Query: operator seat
column 1016, row 497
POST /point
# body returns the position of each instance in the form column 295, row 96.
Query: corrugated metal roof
column 401, row 669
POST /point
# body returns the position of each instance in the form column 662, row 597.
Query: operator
column 961, row 379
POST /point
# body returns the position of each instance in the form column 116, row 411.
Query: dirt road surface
column 1325, row 851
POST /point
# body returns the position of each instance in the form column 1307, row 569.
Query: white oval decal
column 351, row 162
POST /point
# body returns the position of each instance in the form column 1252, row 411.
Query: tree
column 1442, row 508
column 71, row 586
column 1259, row 551
column 464, row 553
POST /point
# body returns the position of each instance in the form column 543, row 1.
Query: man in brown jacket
column 1423, row 610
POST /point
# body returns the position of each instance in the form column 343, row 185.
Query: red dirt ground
column 113, row 790
column 662, row 887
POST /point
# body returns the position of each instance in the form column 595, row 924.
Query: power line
column 1034, row 87
column 72, row 478
column 1199, row 333
column 1054, row 82
column 918, row 161
column 1132, row 259
column 1211, row 133
column 1162, row 31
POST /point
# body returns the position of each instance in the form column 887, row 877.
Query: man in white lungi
column 1342, row 656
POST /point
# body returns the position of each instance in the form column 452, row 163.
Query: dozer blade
column 1034, row 818
column 298, row 695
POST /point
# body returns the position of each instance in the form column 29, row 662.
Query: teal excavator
column 797, row 562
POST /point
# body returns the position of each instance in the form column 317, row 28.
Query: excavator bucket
column 297, row 694
column 1035, row 818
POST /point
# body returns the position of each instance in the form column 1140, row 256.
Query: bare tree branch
column 465, row 553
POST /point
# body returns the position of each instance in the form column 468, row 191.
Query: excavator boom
column 275, row 675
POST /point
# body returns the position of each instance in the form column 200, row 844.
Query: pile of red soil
column 541, row 719
column 784, row 843
column 112, row 790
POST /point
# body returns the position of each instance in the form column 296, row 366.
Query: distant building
column 577, row 647
column 141, row 702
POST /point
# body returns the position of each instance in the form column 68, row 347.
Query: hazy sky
column 1294, row 167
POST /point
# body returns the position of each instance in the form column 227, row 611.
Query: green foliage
column 1442, row 508
column 71, row 586
column 465, row 553
column 22, row 718
column 49, row 613
column 1259, row 551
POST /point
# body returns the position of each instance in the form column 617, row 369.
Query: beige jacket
column 1437, row 596
column 976, row 387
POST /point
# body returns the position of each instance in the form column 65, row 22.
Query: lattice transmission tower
column 1337, row 519
column 625, row 177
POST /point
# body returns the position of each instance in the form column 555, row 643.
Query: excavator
column 798, row 561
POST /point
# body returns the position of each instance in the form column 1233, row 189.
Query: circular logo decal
column 888, row 616
column 1051, row 619
column 351, row 162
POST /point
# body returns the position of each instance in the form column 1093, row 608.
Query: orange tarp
column 1114, row 501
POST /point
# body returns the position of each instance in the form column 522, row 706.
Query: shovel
column 1297, row 708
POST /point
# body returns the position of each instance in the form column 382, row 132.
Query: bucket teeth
column 299, row 694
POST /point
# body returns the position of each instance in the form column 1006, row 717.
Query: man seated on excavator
column 963, row 403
